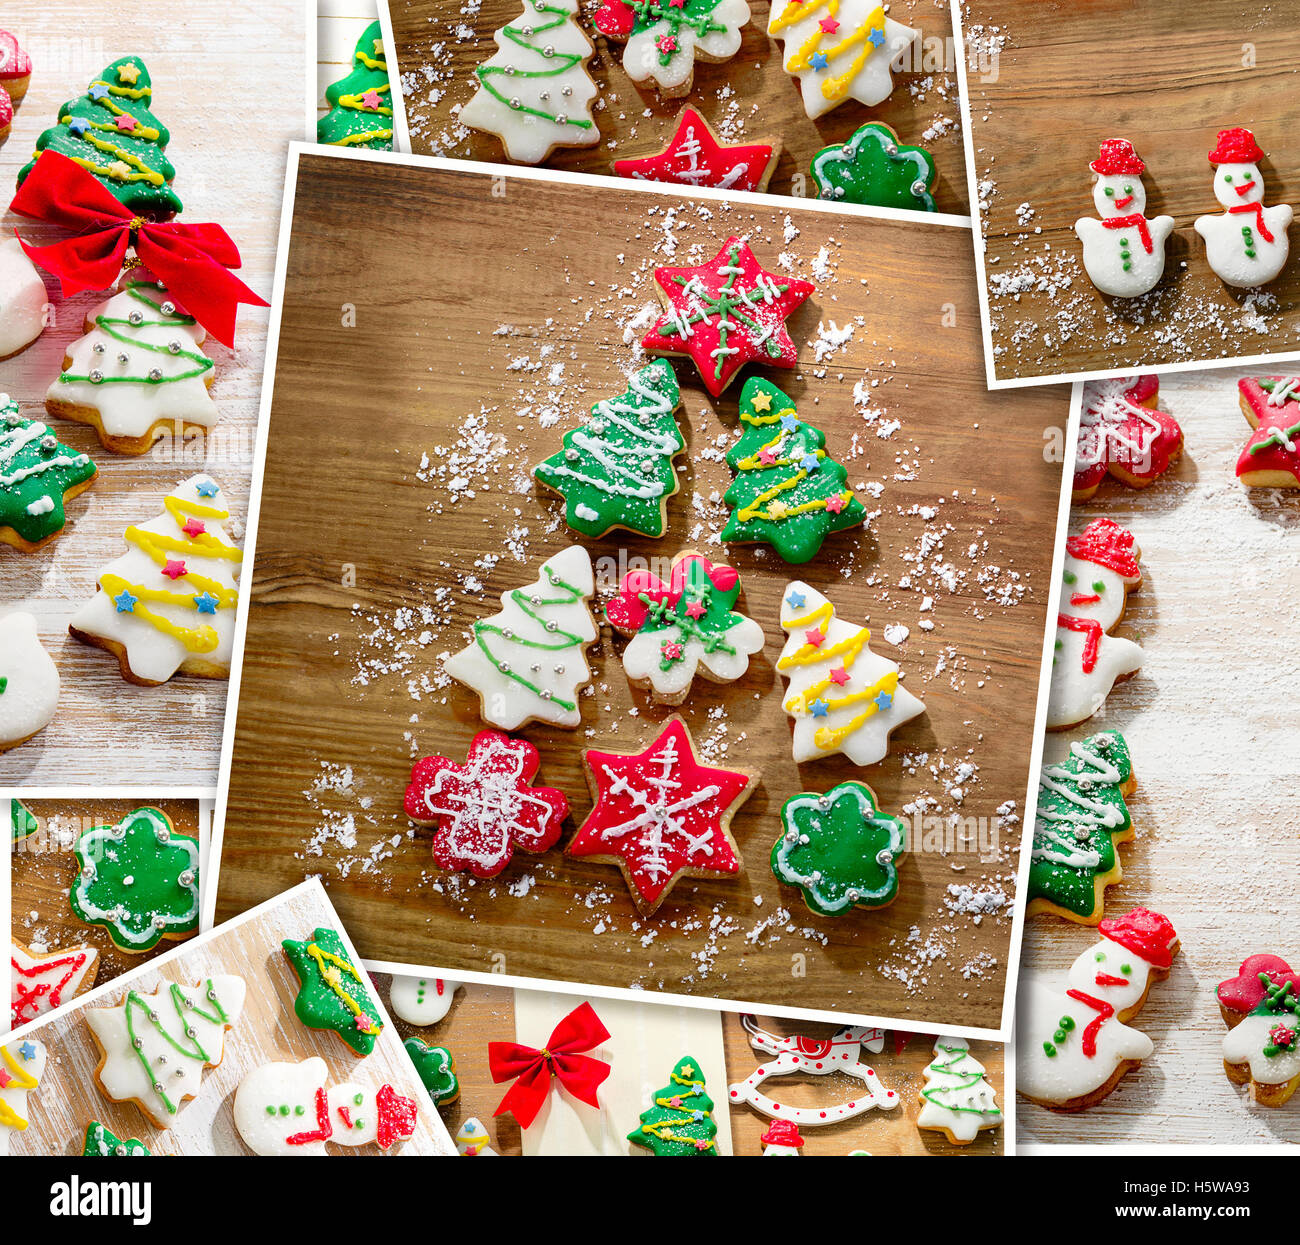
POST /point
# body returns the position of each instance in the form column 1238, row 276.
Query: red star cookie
column 1240, row 995
column 485, row 808
column 1122, row 432
column 1271, row 458
column 695, row 157
column 726, row 313
column 660, row 815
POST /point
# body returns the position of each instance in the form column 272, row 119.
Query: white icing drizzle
column 14, row 440
column 1062, row 849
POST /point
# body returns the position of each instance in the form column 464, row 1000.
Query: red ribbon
column 192, row 261
column 561, row 1057
column 1137, row 222
column 1258, row 209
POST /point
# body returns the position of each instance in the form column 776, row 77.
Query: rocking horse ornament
column 815, row 1057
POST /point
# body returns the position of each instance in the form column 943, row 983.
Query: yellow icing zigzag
column 835, row 87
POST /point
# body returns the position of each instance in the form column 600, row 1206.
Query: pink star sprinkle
column 126, row 123
column 695, row 610
column 194, row 528
column 766, row 457
column 839, row 675
column 174, row 570
column 666, row 43
column 836, row 503
column 370, row 100
column 828, row 25
column 814, row 637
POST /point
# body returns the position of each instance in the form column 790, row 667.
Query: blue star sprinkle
column 818, row 60
column 789, row 423
column 206, row 488
column 796, row 600
column 125, row 602
column 98, row 91
column 819, row 708
column 206, row 603
column 27, row 1051
column 876, row 37
column 78, row 126
column 883, row 701
column 810, row 462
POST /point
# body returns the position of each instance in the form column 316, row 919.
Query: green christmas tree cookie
column 138, row 879
column 437, row 1070
column 617, row 469
column 332, row 993
column 839, row 849
column 873, row 167
column 23, row 822
column 680, row 1121
column 102, row 1144
column 111, row 133
column 38, row 475
column 788, row 492
column 361, row 105
column 1081, row 818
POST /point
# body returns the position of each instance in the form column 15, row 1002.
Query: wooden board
column 44, row 869
column 69, row 1098
column 1050, row 92
column 1212, row 736
column 107, row 730
column 482, row 1014
column 439, row 43
column 331, row 714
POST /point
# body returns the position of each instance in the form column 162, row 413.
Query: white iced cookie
column 664, row 37
column 361, row 1116
column 1247, row 245
column 1101, row 566
column 534, row 93
column 167, row 606
column 421, row 1000
column 21, row 1067
column 29, row 681
column 154, row 1047
column 283, row 1108
column 472, row 1139
column 528, row 661
column 137, row 372
column 22, row 299
column 1072, row 1045
column 839, row 50
column 957, row 1098
column 39, row 983
column 683, row 627
column 1123, row 252
column 842, row 696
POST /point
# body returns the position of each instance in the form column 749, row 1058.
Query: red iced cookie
column 694, row 156
column 1241, row 994
column 15, row 68
column 1122, row 432
column 485, row 808
column 1271, row 458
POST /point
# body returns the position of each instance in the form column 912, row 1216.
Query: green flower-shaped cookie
column 839, row 849
column 436, row 1068
column 332, row 993
column 102, row 1144
column 873, row 167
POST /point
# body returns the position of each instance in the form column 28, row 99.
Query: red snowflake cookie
column 725, row 313
column 660, row 815
column 695, row 156
column 1121, row 431
column 485, row 808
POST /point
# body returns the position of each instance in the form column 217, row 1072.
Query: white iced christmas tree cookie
column 1123, row 252
column 154, row 1047
column 534, row 93
column 1247, row 243
column 167, row 606
column 138, row 372
column 957, row 1099
column 29, row 681
column 1072, row 1045
column 22, row 299
column 839, row 50
column 472, row 1139
column 665, row 37
column 528, row 661
column 1101, row 566
column 842, row 696
column 21, row 1067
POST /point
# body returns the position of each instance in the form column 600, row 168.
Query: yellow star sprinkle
column 128, row 74
column 332, row 976
column 776, row 509
column 119, row 169
column 379, row 47
column 762, row 402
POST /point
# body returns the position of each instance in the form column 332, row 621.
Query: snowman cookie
column 684, row 627
column 22, row 299
column 361, row 1116
column 283, row 1108
column 1101, row 567
column 1261, row 1007
column 1247, row 244
column 1073, row 1045
column 421, row 1001
column 1123, row 252
column 29, row 681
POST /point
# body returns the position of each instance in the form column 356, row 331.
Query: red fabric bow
column 192, row 261
column 580, row 1074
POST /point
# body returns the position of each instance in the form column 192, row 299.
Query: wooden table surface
column 370, row 567
column 267, row 1030
column 483, row 1014
column 108, row 731
column 1210, row 724
column 439, row 43
column 1036, row 121
column 44, row 869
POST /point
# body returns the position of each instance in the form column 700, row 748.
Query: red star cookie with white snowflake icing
column 485, row 808
column 1123, row 432
column 660, row 815
column 1271, row 458
column 725, row 313
column 695, row 156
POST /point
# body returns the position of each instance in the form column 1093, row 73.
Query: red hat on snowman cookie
column 1117, row 159
column 1236, row 146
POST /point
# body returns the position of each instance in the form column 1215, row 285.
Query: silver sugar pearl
column 98, row 347
column 136, row 317
column 168, row 308
column 545, row 693
column 515, row 104
column 561, row 119
column 549, row 50
column 155, row 373
column 567, row 91
column 174, row 347
column 552, row 625
column 123, row 357
column 49, row 443
column 186, row 878
column 160, row 921
column 96, row 376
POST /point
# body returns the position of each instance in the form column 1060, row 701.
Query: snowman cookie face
column 283, row 1108
column 1238, row 183
column 1089, row 590
column 421, row 1001
column 1118, row 195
